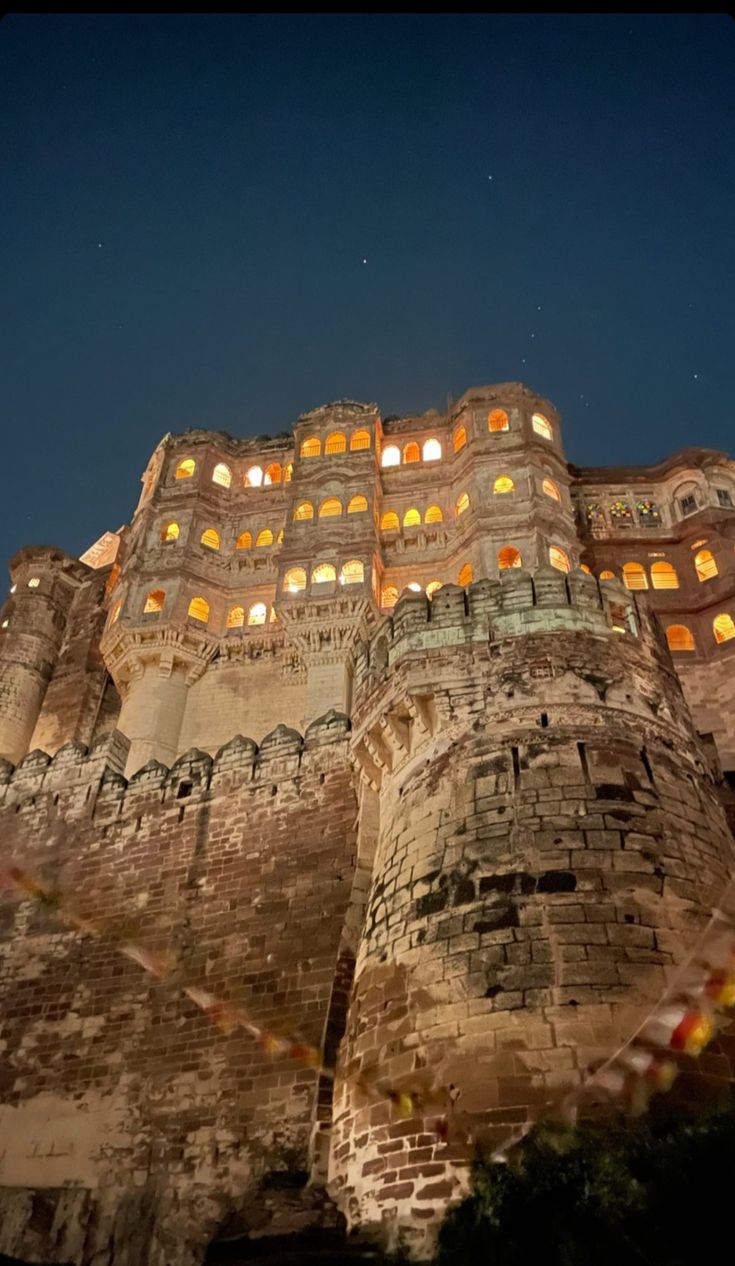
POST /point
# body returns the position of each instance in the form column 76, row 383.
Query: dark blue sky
column 188, row 201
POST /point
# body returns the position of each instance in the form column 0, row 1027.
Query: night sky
column 224, row 221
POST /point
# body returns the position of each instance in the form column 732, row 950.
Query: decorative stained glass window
column 621, row 513
column 648, row 513
column 595, row 514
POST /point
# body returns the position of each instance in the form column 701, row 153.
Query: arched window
column 595, row 514
column 559, row 558
column 257, row 613
column 352, row 573
column 498, row 420
column 199, row 609
column 724, row 627
column 541, row 426
column 272, row 474
column 170, row 532
column 244, row 541
column 705, row 564
column 390, row 522
column 503, row 483
column 154, row 601
column 434, row 515
column 186, row 468
column 432, row 587
column 265, row 537
column 663, row 576
column 679, row 638
column 288, row 473
column 222, row 475
column 335, row 443
column 357, row 504
column 411, row 518
column 34, row 582
column 463, row 503
column 465, row 576
column 359, row 440
column 459, row 439
column 115, row 613
column 648, row 513
column 235, row 617
column 391, row 456
column 330, row 508
column 412, row 452
column 210, row 538
column 551, row 489
column 509, row 556
column 310, row 447
column 389, row 596
column 607, row 575
column 303, row 511
column 634, row 576
column 432, row 451
column 294, row 580
column 587, row 570
column 323, row 573
column 414, row 586
column 253, row 478
column 620, row 511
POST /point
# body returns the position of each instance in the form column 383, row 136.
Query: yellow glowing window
column 551, row 489
column 634, row 576
column 679, row 638
column 359, row 440
column 273, row 617
column 357, row 504
column 272, row 474
column 253, row 478
column 587, row 570
column 352, row 573
column 154, row 601
column 210, row 538
column 335, row 443
column 432, row 587
column 705, row 564
column 389, row 596
column 389, row 522
column 541, row 426
column 323, row 573
column 170, row 532
column 115, row 613
column 265, row 537
column 509, row 556
column 411, row 518
column 311, row 447
column 503, row 483
column 330, row 508
column 235, row 617
column 391, row 456
column 414, row 586
column 303, row 511
column 663, row 576
column 558, row 558
column 465, row 575
column 724, row 627
column 412, row 453
column 244, row 541
column 607, row 575
column 434, row 515
column 222, row 475
column 497, row 420
column 199, row 609
column 186, row 468
column 432, row 451
column 294, row 580
column 288, row 473
column 257, row 613
column 34, row 582
column 463, row 504
column 459, row 439
column 279, row 538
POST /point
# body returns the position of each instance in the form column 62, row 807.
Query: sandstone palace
column 406, row 735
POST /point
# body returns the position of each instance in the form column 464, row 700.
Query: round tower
column 549, row 844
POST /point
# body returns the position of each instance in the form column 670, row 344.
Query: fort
column 407, row 735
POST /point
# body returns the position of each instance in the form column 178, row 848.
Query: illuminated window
column 199, row 610
column 389, row 596
column 412, row 452
column 607, row 575
column 253, row 478
column 13, row 588
column 503, row 483
column 414, row 586
column 359, row 440
column 559, row 558
column 498, row 420
column 724, row 627
column 186, row 468
column 115, row 613
column 352, row 573
column 434, row 515
column 587, row 570
column 357, row 504
column 705, row 564
column 463, row 504
column 311, row 447
column 288, row 473
column 294, row 580
column 679, row 638
column 34, row 582
column 620, row 512
column 264, row 538
column 432, row 451
column 257, row 613
column 154, row 601
column 459, row 439
column 279, row 538
column 648, row 513
column 391, row 456
column 303, row 511
column 411, row 518
column 244, row 541
column 222, row 475
column 634, row 576
column 389, row 522
column 323, row 573
column 432, row 587
column 541, row 426
column 465, row 575
column 272, row 474
column 273, row 617
column 235, row 617
column 551, row 490
column 330, row 508
column 595, row 514
column 663, row 576
column 335, row 443
column 210, row 538
column 509, row 556
column 170, row 532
